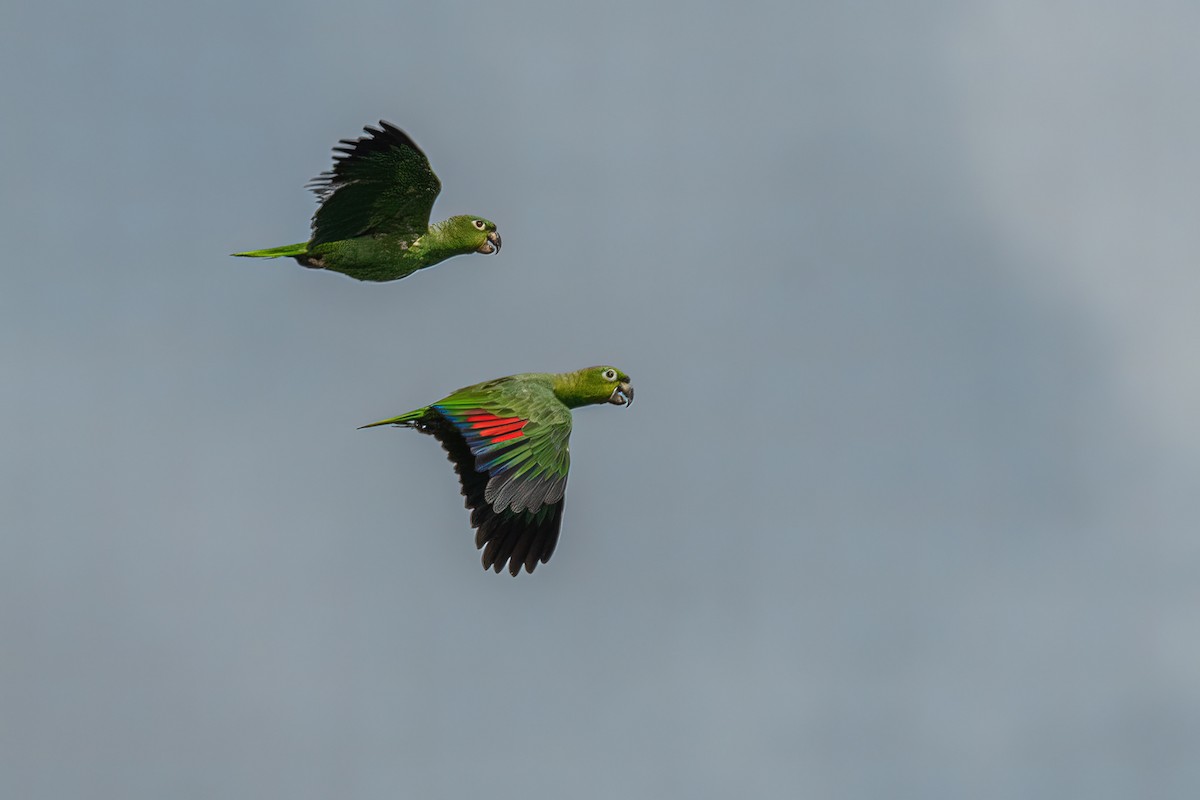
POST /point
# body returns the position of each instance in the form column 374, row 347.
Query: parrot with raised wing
column 373, row 221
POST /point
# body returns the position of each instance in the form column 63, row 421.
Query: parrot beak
column 492, row 245
column 622, row 395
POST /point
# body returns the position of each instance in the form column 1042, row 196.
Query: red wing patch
column 495, row 429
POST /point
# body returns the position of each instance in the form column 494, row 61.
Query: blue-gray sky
column 907, row 506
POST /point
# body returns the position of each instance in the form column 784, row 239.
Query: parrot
column 373, row 221
column 507, row 439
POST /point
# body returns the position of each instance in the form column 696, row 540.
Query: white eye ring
column 610, row 374
column 479, row 224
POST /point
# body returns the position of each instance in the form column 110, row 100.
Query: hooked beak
column 492, row 245
column 622, row 395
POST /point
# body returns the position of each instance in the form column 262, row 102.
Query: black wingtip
column 387, row 136
column 378, row 140
column 507, row 539
column 391, row 129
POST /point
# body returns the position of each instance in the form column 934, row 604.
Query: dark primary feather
column 378, row 143
column 380, row 184
column 518, row 538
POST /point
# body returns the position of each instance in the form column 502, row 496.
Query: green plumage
column 508, row 441
column 373, row 221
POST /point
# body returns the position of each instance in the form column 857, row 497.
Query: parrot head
column 595, row 385
column 622, row 391
column 476, row 233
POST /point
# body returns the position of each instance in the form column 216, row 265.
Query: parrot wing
column 508, row 441
column 509, row 444
column 380, row 183
column 522, row 447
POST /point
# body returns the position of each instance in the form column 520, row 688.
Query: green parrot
column 508, row 440
column 373, row 222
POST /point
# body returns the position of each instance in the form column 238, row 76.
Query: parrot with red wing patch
column 508, row 439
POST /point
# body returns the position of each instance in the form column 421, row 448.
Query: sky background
column 908, row 504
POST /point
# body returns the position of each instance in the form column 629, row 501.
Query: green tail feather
column 277, row 252
column 403, row 419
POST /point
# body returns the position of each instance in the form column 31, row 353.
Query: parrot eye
column 609, row 374
column 479, row 224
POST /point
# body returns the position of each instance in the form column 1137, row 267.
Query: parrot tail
column 412, row 419
column 291, row 250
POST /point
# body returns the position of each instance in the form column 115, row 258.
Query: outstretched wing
column 523, row 451
column 380, row 183
column 511, row 456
